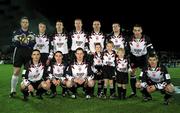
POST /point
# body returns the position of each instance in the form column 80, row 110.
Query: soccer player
column 97, row 36
column 109, row 56
column 138, row 47
column 97, row 65
column 24, row 41
column 42, row 42
column 117, row 37
column 79, row 74
column 56, row 73
column 122, row 67
column 155, row 77
column 34, row 76
column 78, row 38
column 60, row 41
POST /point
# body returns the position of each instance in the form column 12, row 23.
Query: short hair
column 120, row 49
column 79, row 49
column 110, row 42
column 96, row 44
column 58, row 52
column 116, row 23
column 42, row 23
column 24, row 17
column 78, row 19
column 138, row 25
column 35, row 50
column 153, row 55
column 59, row 20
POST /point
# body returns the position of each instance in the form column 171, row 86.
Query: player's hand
column 151, row 89
column 48, row 62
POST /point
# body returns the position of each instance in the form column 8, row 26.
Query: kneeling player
column 79, row 73
column 34, row 76
column 153, row 78
column 56, row 74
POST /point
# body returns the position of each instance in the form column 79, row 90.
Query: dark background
column 159, row 20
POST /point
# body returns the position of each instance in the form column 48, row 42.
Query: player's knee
column 22, row 86
column 16, row 71
column 169, row 88
column 30, row 88
column 90, row 83
column 138, row 84
column 151, row 89
column 45, row 86
column 69, row 84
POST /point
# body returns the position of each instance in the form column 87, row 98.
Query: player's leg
column 133, row 82
column 14, row 80
column 169, row 90
column 89, row 84
column 112, row 93
column 119, row 89
column 105, row 88
column 42, row 88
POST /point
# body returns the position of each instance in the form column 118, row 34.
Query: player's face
column 24, row 23
column 121, row 54
column 98, row 48
column 137, row 31
column 116, row 27
column 59, row 25
column 109, row 46
column 153, row 61
column 42, row 28
column 78, row 24
column 35, row 56
column 79, row 55
column 58, row 57
column 96, row 25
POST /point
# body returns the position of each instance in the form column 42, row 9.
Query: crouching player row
column 34, row 77
column 155, row 77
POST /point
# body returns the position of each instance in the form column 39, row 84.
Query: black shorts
column 21, row 56
column 44, row 57
column 121, row 77
column 99, row 74
column 140, row 62
column 108, row 72
column 36, row 84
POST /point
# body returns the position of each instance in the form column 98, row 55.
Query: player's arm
column 166, row 75
column 90, row 74
column 31, row 39
column 149, row 46
column 142, row 80
column 25, row 71
column 68, row 73
column 16, row 39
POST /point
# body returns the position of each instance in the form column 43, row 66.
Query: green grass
column 81, row 105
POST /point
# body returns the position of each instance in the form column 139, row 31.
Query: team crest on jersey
column 79, row 69
column 97, row 38
column 78, row 36
column 153, row 74
column 137, row 45
column 40, row 40
column 58, row 70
